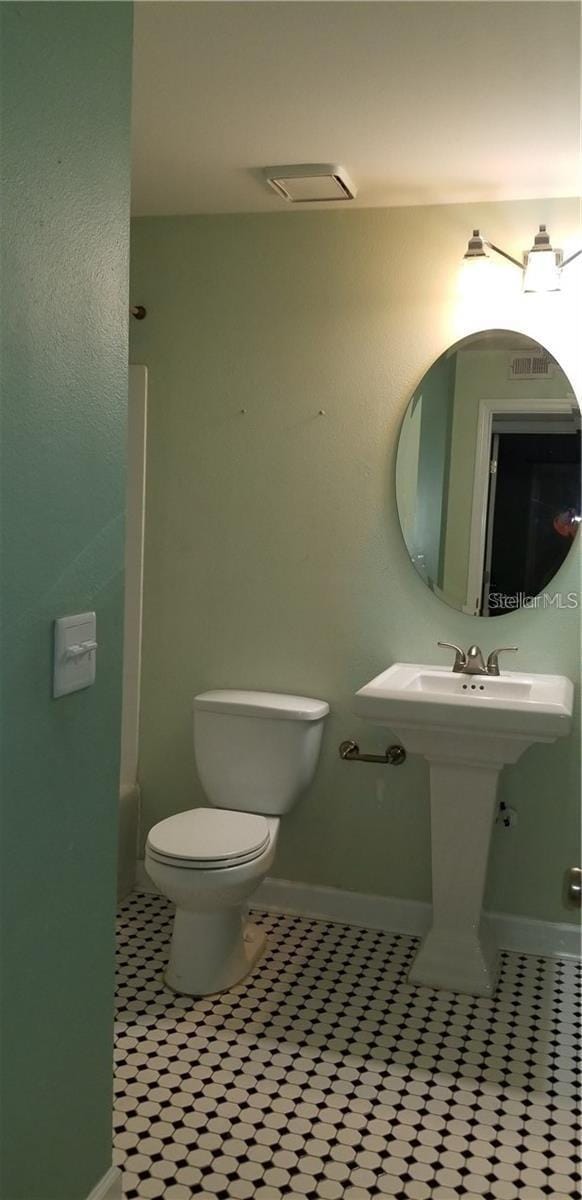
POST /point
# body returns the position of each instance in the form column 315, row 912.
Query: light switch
column 75, row 653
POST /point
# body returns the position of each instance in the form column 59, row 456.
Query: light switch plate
column 75, row 653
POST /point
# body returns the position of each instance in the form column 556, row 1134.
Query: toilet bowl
column 255, row 753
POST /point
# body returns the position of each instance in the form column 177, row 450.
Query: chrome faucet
column 471, row 661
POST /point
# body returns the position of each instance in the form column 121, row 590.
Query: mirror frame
column 478, row 521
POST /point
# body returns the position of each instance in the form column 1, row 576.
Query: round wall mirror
column 488, row 473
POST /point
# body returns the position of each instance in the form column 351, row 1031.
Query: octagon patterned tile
column 326, row 1076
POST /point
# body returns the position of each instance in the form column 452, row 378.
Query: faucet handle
column 493, row 660
column 460, row 655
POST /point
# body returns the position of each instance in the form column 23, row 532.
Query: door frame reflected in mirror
column 488, row 411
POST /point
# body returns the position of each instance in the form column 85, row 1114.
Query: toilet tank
column 256, row 751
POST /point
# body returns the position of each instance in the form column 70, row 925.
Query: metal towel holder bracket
column 394, row 756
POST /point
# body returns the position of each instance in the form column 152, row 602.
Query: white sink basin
column 511, row 703
column 467, row 727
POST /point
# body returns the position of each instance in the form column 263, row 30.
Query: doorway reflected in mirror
column 488, row 473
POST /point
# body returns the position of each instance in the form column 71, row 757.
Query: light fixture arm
column 503, row 254
column 571, row 258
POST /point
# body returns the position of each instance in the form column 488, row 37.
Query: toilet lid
column 210, row 835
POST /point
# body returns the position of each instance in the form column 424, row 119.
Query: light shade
column 542, row 265
column 475, row 251
column 476, row 276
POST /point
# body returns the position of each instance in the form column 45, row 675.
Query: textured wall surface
column 65, row 103
column 274, row 557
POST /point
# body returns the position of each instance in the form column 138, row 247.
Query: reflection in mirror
column 488, row 473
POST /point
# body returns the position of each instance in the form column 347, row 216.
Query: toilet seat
column 209, row 839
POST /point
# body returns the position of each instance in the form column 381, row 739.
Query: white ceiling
column 422, row 102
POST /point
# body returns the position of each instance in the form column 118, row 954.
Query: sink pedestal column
column 456, row 954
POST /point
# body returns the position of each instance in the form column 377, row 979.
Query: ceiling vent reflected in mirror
column 531, row 366
column 310, row 183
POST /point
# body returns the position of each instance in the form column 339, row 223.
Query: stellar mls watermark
column 505, row 600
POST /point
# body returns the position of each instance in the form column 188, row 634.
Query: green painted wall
column 64, row 103
column 274, row 557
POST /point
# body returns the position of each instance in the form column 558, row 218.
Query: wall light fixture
column 542, row 266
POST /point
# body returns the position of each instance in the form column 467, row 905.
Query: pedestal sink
column 467, row 727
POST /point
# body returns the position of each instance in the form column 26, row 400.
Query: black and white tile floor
column 325, row 1075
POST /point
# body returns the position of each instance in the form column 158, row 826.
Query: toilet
column 256, row 752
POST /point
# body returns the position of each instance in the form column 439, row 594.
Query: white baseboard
column 109, row 1187
column 143, row 883
column 392, row 915
column 554, row 939
column 387, row 913
column 129, row 805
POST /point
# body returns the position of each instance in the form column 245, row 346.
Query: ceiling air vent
column 310, row 183
column 531, row 366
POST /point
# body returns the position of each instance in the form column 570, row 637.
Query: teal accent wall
column 65, row 112
column 274, row 557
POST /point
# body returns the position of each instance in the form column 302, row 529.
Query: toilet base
column 211, row 952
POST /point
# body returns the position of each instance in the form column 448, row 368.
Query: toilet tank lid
column 263, row 704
